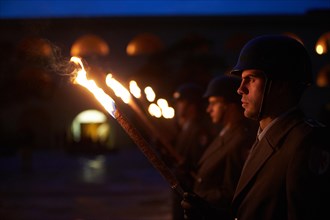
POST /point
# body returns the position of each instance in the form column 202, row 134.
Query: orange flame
column 150, row 94
column 104, row 99
column 154, row 110
column 118, row 89
column 135, row 89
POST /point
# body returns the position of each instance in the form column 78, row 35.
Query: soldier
column 286, row 175
column 193, row 136
column 220, row 166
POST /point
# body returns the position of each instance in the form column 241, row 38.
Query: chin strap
column 267, row 87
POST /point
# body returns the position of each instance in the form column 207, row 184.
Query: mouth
column 244, row 103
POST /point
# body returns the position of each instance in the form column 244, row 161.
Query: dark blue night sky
column 92, row 8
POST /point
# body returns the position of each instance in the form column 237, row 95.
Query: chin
column 250, row 115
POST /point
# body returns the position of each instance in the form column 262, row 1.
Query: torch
column 109, row 105
column 120, row 91
column 127, row 98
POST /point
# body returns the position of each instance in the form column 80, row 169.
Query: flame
column 135, row 89
column 81, row 78
column 119, row 90
column 154, row 110
column 150, row 94
column 167, row 112
column 162, row 103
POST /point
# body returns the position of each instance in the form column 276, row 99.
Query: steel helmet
column 191, row 92
column 224, row 86
column 278, row 56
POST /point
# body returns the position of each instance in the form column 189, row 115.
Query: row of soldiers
column 259, row 157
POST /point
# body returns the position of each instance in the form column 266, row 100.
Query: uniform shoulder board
column 314, row 123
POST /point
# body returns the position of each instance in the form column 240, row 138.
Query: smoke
column 60, row 64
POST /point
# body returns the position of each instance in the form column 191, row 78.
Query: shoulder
column 318, row 145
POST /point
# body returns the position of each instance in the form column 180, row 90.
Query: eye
column 252, row 79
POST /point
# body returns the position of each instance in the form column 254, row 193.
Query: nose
column 241, row 89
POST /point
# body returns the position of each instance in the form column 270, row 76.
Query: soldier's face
column 181, row 111
column 251, row 90
column 216, row 109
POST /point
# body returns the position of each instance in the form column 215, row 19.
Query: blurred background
column 62, row 156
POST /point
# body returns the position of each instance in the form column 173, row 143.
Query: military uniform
column 221, row 164
column 191, row 142
column 287, row 173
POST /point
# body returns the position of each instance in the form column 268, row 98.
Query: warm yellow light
column 162, row 103
column 319, row 49
column 81, row 78
column 323, row 43
column 131, row 49
column 154, row 110
column 168, row 112
column 118, row 89
column 150, row 94
column 135, row 89
column 89, row 45
column 91, row 117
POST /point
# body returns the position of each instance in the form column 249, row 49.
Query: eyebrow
column 256, row 74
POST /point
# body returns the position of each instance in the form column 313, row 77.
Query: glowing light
column 168, row 113
column 323, row 44
column 319, row 49
column 118, row 89
column 162, row 103
column 146, row 149
column 135, row 89
column 81, row 78
column 150, row 94
column 131, row 49
column 154, row 110
column 92, row 117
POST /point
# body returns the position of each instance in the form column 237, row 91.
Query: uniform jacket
column 191, row 142
column 221, row 164
column 287, row 175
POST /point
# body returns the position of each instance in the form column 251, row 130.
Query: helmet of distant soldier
column 190, row 92
column 224, row 86
column 280, row 57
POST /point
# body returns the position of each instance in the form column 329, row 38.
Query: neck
column 234, row 114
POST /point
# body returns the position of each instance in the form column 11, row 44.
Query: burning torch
column 109, row 105
column 127, row 98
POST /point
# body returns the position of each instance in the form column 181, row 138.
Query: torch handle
column 152, row 128
column 148, row 152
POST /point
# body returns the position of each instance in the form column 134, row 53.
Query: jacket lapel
column 215, row 146
column 218, row 143
column 266, row 147
column 259, row 156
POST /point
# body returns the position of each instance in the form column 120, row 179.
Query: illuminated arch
column 144, row 44
column 89, row 45
column 35, row 47
column 294, row 36
column 91, row 125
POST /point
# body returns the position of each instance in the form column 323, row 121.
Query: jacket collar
column 266, row 147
